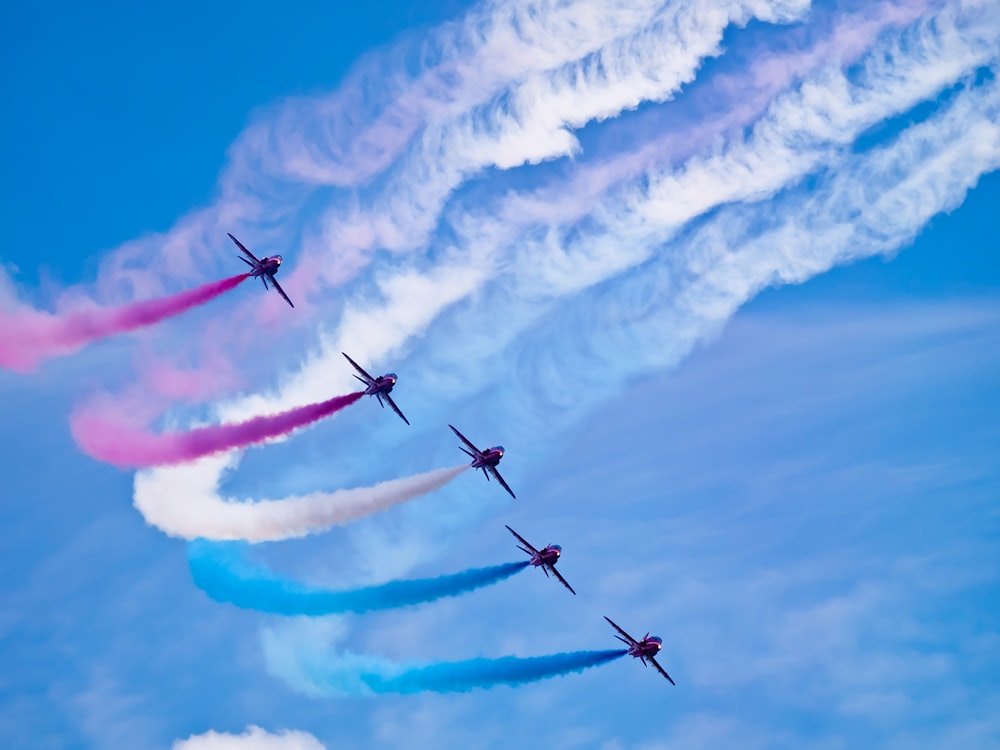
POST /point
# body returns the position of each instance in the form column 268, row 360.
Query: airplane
column 486, row 460
column 263, row 268
column 545, row 558
column 379, row 387
column 645, row 650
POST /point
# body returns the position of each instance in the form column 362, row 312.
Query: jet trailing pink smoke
column 116, row 442
column 28, row 337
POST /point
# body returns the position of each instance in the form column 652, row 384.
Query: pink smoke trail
column 115, row 442
column 28, row 338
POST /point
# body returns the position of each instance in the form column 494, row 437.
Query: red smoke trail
column 115, row 442
column 27, row 338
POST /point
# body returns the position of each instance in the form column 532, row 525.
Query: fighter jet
column 486, row 460
column 545, row 558
column 379, row 387
column 644, row 650
column 263, row 268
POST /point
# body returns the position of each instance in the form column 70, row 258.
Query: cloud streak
column 109, row 439
column 224, row 573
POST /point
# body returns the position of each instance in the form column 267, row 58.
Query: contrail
column 111, row 440
column 356, row 674
column 187, row 506
column 223, row 572
column 28, row 337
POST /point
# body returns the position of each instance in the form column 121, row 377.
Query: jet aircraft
column 486, row 460
column 262, row 268
column 379, row 387
column 644, row 650
column 544, row 558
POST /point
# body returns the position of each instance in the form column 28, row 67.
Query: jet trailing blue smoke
column 222, row 571
column 356, row 674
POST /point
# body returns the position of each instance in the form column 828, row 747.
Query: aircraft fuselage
column 382, row 384
column 268, row 266
column 548, row 555
column 489, row 457
column 648, row 646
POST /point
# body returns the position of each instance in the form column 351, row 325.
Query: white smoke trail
column 532, row 122
column 868, row 203
column 803, row 132
column 187, row 504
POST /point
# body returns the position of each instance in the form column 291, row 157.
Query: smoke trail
column 28, row 337
column 223, row 572
column 110, row 440
column 462, row 676
column 189, row 506
column 358, row 674
column 832, row 108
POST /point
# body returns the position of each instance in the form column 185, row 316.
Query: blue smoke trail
column 357, row 674
column 223, row 572
column 462, row 676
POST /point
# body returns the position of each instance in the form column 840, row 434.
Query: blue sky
column 732, row 311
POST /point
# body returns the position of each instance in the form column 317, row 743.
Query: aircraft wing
column 496, row 475
column 552, row 569
column 360, row 369
column 395, row 408
column 527, row 547
column 661, row 670
column 242, row 247
column 465, row 440
column 280, row 290
column 628, row 639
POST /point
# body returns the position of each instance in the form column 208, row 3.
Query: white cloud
column 253, row 738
